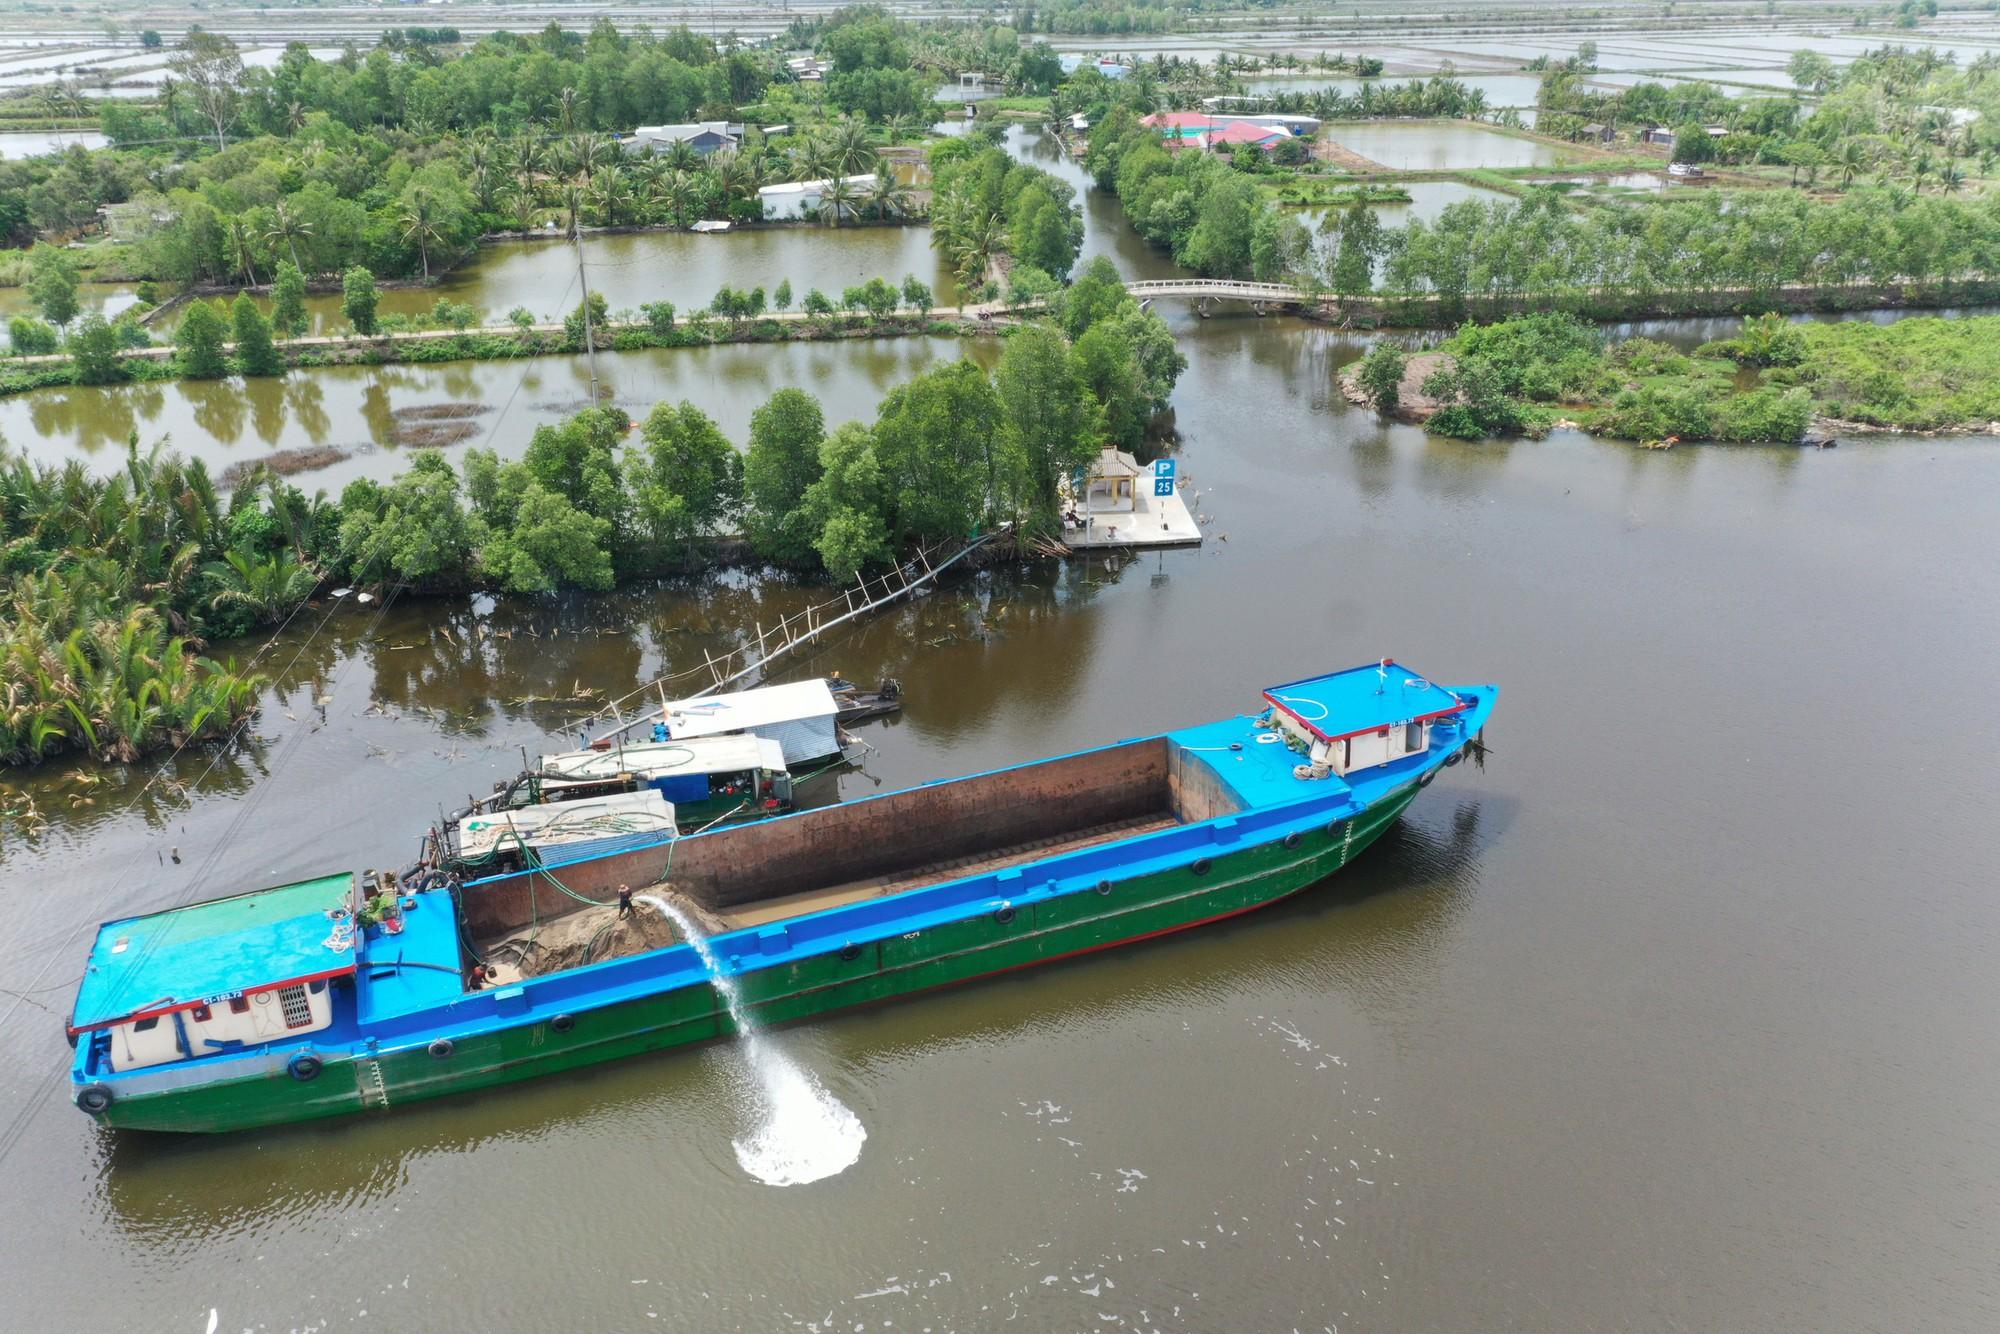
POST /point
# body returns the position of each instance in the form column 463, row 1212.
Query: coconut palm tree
column 611, row 196
column 420, row 227
column 295, row 117
column 852, row 153
column 522, row 203
column 568, row 104
column 737, row 175
column 888, row 196
column 681, row 156
column 588, row 152
column 288, row 227
column 1852, row 159
column 978, row 244
column 678, row 193
column 241, row 243
column 815, row 158
column 648, row 177
column 837, row 199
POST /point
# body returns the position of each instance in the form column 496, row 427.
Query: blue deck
column 206, row 951
column 419, row 968
column 1361, row 699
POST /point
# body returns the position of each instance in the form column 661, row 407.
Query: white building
column 801, row 199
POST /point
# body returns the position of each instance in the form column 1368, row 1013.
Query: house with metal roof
column 704, row 137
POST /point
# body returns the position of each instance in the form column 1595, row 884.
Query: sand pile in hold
column 591, row 935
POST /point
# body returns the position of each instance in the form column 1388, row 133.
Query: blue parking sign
column 1163, row 477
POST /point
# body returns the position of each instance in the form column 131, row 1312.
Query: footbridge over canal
column 1206, row 291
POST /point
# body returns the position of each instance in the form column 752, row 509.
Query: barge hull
column 1231, row 883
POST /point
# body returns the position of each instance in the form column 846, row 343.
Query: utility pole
column 589, row 339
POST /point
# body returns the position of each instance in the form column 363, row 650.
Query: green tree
column 1218, row 244
column 844, row 505
column 95, row 353
column 1381, row 375
column 1360, row 242
column 1108, row 365
column 935, row 442
column 685, row 481
column 52, row 283
column 781, row 298
column 576, row 459
column 817, row 304
column 288, row 301
column 1050, row 425
column 917, row 295
column 30, row 337
column 783, row 460
column 549, row 541
column 573, row 323
column 1027, row 285
column 414, row 528
column 199, row 341
column 358, row 299
column 256, row 354
column 1097, row 294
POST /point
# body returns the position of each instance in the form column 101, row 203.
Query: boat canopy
column 1362, row 700
column 799, row 716
column 206, row 953
column 483, row 834
column 653, row 759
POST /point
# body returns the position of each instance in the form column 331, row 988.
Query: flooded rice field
column 1442, row 145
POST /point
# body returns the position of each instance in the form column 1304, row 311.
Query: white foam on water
column 803, row 1133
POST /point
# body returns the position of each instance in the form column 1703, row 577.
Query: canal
column 1675, row 1015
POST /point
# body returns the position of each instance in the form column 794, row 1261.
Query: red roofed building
column 1178, row 129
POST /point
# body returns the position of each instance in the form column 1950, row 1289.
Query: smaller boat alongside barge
column 310, row 1000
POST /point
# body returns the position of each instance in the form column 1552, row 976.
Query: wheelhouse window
column 1413, row 737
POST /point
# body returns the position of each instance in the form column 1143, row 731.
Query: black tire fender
column 94, row 1099
column 1292, row 840
column 850, row 952
column 562, row 1023
column 304, row 1067
column 441, row 1048
column 1004, row 915
column 1202, row 866
column 1104, row 886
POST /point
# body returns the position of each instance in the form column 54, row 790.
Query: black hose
column 417, row 963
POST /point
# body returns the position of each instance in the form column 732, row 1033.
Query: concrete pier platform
column 1149, row 521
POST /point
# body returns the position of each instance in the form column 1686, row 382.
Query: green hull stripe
column 898, row 966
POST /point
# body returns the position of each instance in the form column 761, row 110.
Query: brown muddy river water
column 1678, row 1015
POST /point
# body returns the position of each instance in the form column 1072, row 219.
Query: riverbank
column 596, row 499
column 1774, row 382
column 511, row 342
